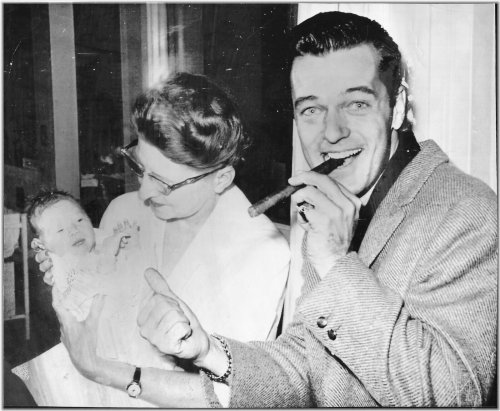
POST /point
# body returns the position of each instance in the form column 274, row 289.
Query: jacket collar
column 390, row 213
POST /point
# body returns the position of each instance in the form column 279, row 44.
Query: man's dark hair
column 192, row 121
column 335, row 30
column 44, row 199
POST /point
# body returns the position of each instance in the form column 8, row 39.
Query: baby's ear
column 37, row 245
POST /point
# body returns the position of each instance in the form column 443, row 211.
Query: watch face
column 134, row 389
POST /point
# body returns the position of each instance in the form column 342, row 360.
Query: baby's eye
column 80, row 220
column 60, row 230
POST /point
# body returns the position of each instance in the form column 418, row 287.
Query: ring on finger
column 303, row 208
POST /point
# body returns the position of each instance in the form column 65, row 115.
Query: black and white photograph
column 250, row 205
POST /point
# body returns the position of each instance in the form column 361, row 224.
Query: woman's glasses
column 139, row 170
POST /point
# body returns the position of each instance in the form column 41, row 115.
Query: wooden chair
column 13, row 225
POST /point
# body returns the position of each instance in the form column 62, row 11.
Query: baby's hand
column 129, row 232
column 113, row 244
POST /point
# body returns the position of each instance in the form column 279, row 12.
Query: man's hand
column 44, row 261
column 330, row 222
column 80, row 337
column 170, row 325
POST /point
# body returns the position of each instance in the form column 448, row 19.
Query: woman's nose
column 336, row 126
column 147, row 188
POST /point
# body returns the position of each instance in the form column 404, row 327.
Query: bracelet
column 223, row 378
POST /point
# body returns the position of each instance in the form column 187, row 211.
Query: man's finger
column 309, row 178
column 160, row 286
column 158, row 283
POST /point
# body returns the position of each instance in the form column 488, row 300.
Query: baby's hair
column 44, row 199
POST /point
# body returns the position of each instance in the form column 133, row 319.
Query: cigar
column 267, row 202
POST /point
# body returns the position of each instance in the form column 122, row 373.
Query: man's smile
column 347, row 155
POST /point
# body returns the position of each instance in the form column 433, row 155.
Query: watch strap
column 137, row 374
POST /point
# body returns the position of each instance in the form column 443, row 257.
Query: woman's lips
column 154, row 204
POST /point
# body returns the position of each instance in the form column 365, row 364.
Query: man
column 399, row 300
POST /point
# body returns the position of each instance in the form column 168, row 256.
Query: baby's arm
column 125, row 236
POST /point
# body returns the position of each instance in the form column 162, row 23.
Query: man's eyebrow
column 300, row 100
column 363, row 89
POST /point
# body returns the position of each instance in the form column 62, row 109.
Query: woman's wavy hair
column 192, row 121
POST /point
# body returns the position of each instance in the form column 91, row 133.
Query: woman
column 194, row 225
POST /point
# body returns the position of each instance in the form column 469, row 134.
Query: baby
column 82, row 257
column 87, row 262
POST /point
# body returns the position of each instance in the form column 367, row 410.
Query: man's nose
column 336, row 126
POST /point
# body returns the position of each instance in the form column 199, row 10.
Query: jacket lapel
column 383, row 225
column 390, row 212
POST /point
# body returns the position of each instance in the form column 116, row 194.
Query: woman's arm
column 161, row 387
column 176, row 389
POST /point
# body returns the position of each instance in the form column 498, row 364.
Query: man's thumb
column 160, row 286
column 157, row 282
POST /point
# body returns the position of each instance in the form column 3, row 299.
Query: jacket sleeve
column 271, row 374
column 435, row 345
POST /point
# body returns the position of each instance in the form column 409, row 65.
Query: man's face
column 341, row 110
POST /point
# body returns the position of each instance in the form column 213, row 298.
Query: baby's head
column 60, row 224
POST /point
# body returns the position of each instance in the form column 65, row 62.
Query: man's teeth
column 343, row 154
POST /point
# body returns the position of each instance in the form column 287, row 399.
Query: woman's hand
column 170, row 325
column 80, row 338
column 44, row 261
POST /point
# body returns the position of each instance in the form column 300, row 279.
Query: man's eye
column 60, row 230
column 358, row 106
column 310, row 111
column 80, row 220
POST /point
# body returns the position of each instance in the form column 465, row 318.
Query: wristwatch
column 134, row 388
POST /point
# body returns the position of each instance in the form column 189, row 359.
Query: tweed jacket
column 409, row 320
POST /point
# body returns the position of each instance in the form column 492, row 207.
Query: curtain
column 450, row 53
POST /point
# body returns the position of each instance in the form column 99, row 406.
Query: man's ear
column 399, row 109
column 223, row 179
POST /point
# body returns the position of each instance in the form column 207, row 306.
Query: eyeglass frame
column 168, row 188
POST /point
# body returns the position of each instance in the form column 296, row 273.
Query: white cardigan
column 233, row 276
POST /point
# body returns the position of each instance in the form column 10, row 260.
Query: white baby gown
column 51, row 377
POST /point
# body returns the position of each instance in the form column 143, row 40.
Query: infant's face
column 66, row 230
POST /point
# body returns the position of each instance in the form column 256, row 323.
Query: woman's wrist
column 112, row 373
